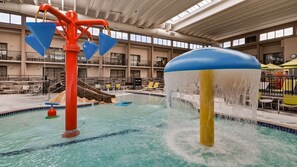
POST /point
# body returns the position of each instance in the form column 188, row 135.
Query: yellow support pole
column 206, row 108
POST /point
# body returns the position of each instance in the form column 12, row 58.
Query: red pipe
column 55, row 12
column 71, row 48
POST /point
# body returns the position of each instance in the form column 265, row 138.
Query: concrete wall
column 142, row 51
column 290, row 47
column 35, row 69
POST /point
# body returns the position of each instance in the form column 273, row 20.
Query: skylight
column 190, row 10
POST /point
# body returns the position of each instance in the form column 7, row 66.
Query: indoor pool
column 134, row 135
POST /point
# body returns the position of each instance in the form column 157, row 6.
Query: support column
column 23, row 47
column 152, row 63
column 128, row 61
column 206, row 108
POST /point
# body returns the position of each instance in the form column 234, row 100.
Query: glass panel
column 143, row 38
column 4, row 17
column 271, row 35
column 288, row 31
column 263, row 36
column 132, row 37
column 241, row 41
column 138, row 38
column 15, row 19
column 149, row 40
column 235, row 42
column 96, row 31
column 227, row 44
column 279, row 33
column 118, row 35
column 125, row 36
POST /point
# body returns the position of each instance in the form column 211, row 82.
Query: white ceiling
column 224, row 19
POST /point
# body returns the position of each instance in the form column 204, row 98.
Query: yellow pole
column 206, row 108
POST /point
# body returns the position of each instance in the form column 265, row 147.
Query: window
column 271, row 35
column 15, row 19
column 135, row 59
column 53, row 73
column 161, row 62
column 195, row 46
column 117, row 73
column 251, row 39
column 10, row 18
column 140, row 38
column 3, row 51
column 263, row 36
column 3, row 71
column 274, row 58
column 241, row 41
column 235, row 42
column 227, row 44
column 279, row 33
column 95, row 31
column 160, row 74
column 117, row 59
column 117, row 34
column 180, row 44
column 32, row 19
column 190, row 10
column 135, row 73
column 4, row 17
column 161, row 41
column 82, row 73
column 55, row 55
column 288, row 31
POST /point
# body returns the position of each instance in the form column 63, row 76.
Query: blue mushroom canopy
column 212, row 58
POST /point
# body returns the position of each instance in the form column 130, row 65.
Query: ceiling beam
column 207, row 12
column 98, row 6
column 87, row 6
column 74, row 5
column 62, row 4
column 136, row 7
column 109, row 10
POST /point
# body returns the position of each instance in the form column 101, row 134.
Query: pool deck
column 14, row 102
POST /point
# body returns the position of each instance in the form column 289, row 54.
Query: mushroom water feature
column 219, row 84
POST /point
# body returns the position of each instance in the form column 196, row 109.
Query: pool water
column 134, row 135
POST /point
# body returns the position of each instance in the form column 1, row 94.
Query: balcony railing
column 114, row 61
column 11, row 55
column 159, row 64
column 143, row 63
column 33, row 56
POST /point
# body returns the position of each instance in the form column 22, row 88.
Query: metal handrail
column 49, row 88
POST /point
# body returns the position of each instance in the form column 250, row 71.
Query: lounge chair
column 118, row 86
column 107, row 86
column 290, row 101
column 149, row 86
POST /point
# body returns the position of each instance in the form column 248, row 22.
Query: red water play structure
column 41, row 37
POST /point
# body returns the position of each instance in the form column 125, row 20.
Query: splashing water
column 236, row 95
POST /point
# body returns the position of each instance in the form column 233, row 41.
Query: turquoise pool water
column 136, row 135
